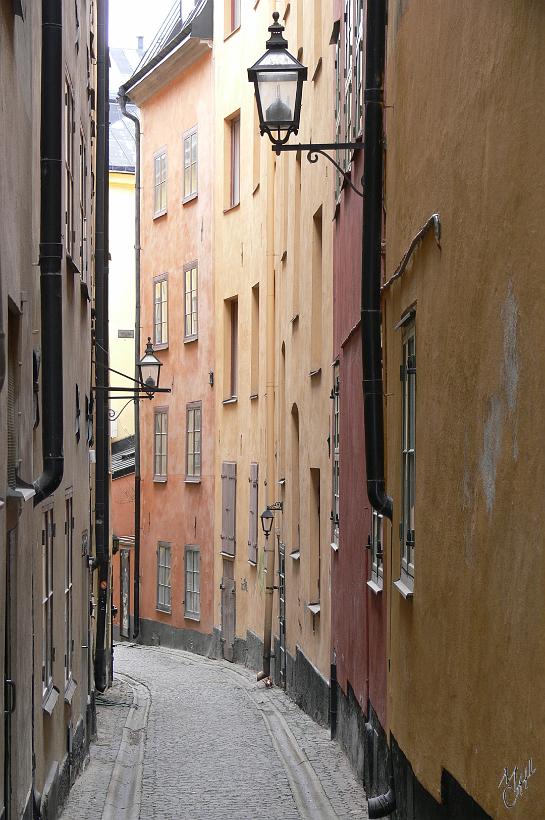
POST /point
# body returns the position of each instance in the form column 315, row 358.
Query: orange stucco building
column 173, row 89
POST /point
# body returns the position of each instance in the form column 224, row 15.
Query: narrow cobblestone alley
column 202, row 740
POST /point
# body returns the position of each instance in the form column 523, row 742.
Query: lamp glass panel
column 149, row 372
column 277, row 90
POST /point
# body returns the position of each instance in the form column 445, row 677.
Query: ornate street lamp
column 278, row 80
column 267, row 519
column 149, row 369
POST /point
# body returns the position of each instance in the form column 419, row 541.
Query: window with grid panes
column 235, row 14
column 193, row 582
column 348, row 78
column 338, row 115
column 377, row 551
column 83, row 206
column 336, row 461
column 235, row 162
column 48, row 652
column 68, row 591
column 408, row 454
column 358, row 69
column 160, row 444
column 194, row 415
column 160, row 183
column 191, row 301
column 163, row 577
column 190, row 164
column 69, row 131
column 160, row 311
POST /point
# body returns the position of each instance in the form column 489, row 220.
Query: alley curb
column 125, row 789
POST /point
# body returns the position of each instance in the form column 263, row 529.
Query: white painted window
column 336, row 460
column 408, row 454
column 160, row 444
column 68, row 591
column 190, row 163
column 194, row 415
column 191, row 313
column 193, row 582
column 163, row 577
column 160, row 311
column 160, row 183
column 376, row 543
column 48, row 651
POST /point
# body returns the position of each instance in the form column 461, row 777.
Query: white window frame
column 191, row 164
column 164, row 577
column 160, row 183
column 68, row 591
column 376, row 544
column 191, row 301
column 234, row 196
column 48, row 550
column 194, row 441
column 69, row 134
column 335, row 450
column 192, row 582
column 160, row 444
column 160, row 311
column 408, row 458
column 348, row 76
column 358, row 69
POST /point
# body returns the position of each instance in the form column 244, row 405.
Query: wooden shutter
column 228, row 507
column 252, row 526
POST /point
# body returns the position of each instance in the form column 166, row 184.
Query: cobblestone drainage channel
column 125, row 789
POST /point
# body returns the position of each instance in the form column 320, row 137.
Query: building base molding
column 304, row 684
column 156, row 633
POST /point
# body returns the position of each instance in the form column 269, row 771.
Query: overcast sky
column 131, row 18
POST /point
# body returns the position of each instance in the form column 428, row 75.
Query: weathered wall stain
column 502, row 402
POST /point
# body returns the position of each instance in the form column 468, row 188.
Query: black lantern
column 149, row 368
column 267, row 521
column 278, row 79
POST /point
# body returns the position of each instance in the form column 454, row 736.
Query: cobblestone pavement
column 218, row 746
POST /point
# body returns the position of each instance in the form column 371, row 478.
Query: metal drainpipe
column 373, row 175
column 2, row 341
column 51, row 251
column 269, row 542
column 122, row 99
column 102, row 510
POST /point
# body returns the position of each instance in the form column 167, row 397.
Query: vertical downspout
column 122, row 99
column 269, row 542
column 373, row 177
column 102, row 511
column 51, row 251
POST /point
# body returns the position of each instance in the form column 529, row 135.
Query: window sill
column 375, row 588
column 192, row 616
column 334, row 546
column 256, row 189
column 231, row 208
column 189, row 339
column 254, row 396
column 232, row 400
column 230, row 33
column 192, row 479
column 314, row 608
column 187, row 199
column 227, row 555
column 317, row 372
column 84, row 290
column 50, row 699
column 317, row 70
column 160, row 346
column 69, row 690
column 164, row 610
column 159, row 479
column 252, row 563
column 294, row 319
column 159, row 214
column 295, row 555
column 71, row 264
column 403, row 589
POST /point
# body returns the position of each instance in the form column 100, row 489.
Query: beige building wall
column 122, row 295
column 277, row 239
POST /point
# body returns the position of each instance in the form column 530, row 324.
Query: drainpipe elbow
column 50, row 479
column 383, row 804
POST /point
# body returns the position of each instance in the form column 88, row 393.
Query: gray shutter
column 228, row 507
column 252, row 525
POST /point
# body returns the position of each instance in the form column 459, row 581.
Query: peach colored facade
column 177, row 508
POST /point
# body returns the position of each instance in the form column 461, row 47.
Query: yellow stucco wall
column 122, row 293
column 465, row 138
